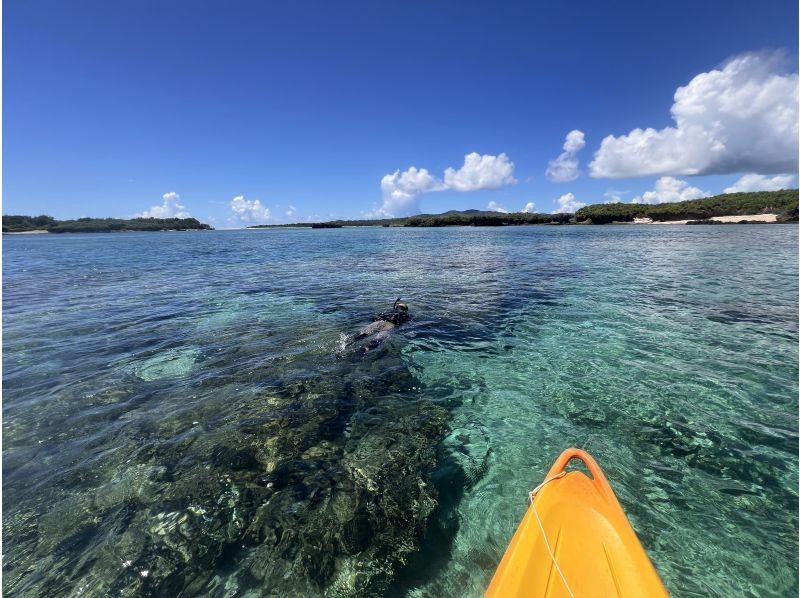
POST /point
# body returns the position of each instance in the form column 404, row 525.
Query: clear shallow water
column 175, row 416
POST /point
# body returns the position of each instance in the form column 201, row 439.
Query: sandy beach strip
column 739, row 218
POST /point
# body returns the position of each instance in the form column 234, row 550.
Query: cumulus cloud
column 248, row 211
column 738, row 118
column 169, row 208
column 565, row 167
column 614, row 196
column 758, row 182
column 481, row 172
column 291, row 211
column 401, row 189
column 669, row 190
column 567, row 204
column 530, row 208
column 495, row 207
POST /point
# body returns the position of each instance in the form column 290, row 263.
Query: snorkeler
column 382, row 326
column 397, row 315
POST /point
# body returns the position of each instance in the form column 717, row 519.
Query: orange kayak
column 575, row 540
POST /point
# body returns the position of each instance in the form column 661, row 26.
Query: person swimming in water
column 395, row 316
column 382, row 326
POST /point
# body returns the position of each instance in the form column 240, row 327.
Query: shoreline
column 94, row 232
column 733, row 219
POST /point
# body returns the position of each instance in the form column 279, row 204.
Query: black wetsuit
column 395, row 315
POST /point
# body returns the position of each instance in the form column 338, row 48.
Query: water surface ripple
column 179, row 415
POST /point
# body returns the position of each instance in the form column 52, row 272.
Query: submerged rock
column 321, row 486
column 469, row 448
column 712, row 452
column 316, row 481
column 169, row 364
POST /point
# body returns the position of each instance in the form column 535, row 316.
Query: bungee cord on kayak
column 531, row 496
column 598, row 551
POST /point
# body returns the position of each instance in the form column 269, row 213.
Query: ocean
column 187, row 412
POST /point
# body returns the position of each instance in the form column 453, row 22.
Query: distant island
column 782, row 204
column 27, row 224
column 729, row 208
column 451, row 218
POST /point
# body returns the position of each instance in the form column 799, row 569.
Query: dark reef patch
column 321, row 485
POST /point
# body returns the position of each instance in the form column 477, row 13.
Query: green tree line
column 783, row 203
column 14, row 224
column 451, row 218
column 487, row 219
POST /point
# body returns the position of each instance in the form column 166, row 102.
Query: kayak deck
column 575, row 540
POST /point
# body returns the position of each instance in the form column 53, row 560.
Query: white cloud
column 741, row 117
column 567, row 204
column 565, row 167
column 291, row 211
column 669, row 190
column 410, row 183
column 169, row 208
column 614, row 196
column 481, row 172
column 249, row 211
column 495, row 207
column 758, row 182
column 574, row 142
column 530, row 208
column 401, row 189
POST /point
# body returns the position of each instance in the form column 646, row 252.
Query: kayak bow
column 575, row 540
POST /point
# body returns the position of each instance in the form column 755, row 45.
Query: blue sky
column 205, row 108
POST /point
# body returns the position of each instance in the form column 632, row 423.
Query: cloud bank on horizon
column 249, row 211
column 401, row 189
column 493, row 206
column 740, row 118
column 568, row 204
column 759, row 182
column 669, row 190
column 169, row 208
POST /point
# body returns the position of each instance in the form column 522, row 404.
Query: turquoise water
column 182, row 411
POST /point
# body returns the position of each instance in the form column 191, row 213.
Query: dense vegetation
column 14, row 224
column 478, row 218
column 783, row 203
column 451, row 218
column 337, row 223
